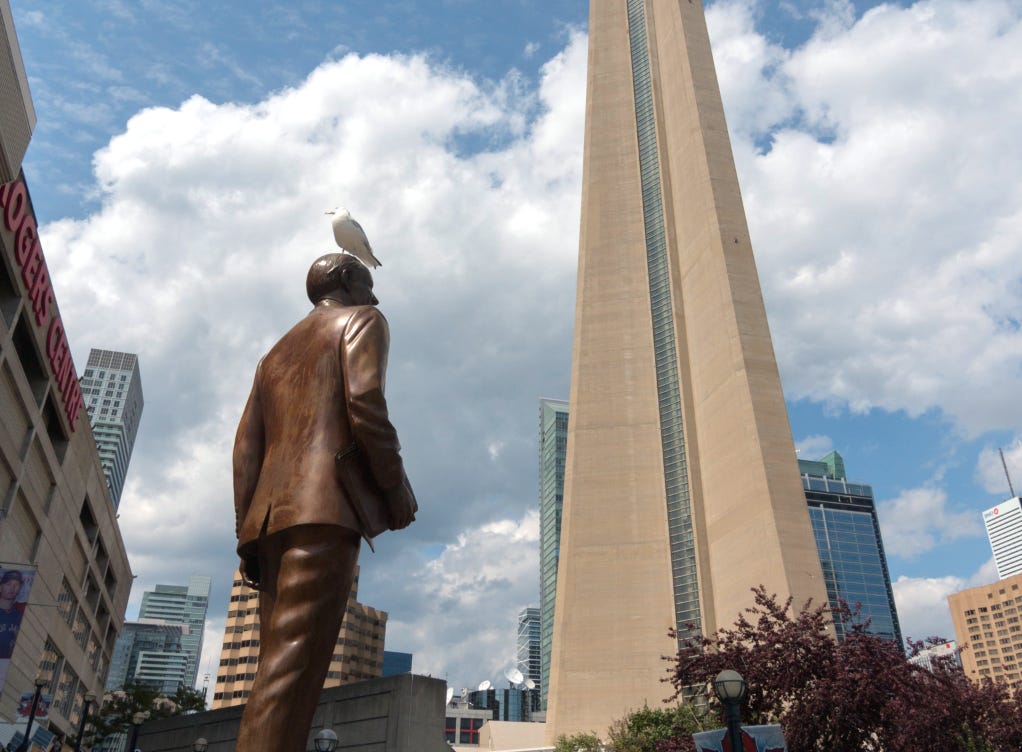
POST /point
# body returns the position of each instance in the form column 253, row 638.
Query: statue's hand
column 250, row 572
column 401, row 506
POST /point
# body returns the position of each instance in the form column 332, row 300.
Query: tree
column 654, row 729
column 861, row 694
column 578, row 743
column 119, row 707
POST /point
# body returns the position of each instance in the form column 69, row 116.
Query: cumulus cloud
column 919, row 519
column 888, row 239
column 922, row 601
column 458, row 612
column 813, row 447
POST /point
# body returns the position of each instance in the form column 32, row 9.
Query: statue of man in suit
column 318, row 394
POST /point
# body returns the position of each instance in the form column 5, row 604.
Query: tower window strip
column 672, row 438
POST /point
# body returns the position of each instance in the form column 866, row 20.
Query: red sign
column 20, row 220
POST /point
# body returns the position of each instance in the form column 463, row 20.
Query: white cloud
column 990, row 469
column 922, row 601
column 458, row 612
column 813, row 447
column 879, row 164
column 919, row 520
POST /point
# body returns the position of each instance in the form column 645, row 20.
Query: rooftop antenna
column 1006, row 474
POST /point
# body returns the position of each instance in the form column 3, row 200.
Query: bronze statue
column 317, row 465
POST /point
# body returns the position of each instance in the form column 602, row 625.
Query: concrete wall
column 395, row 714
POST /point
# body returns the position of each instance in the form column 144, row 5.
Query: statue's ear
column 344, row 278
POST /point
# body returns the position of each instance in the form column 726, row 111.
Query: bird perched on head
column 352, row 238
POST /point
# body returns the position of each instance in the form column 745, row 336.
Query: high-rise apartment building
column 1004, row 529
column 529, row 654
column 60, row 545
column 988, row 625
column 553, row 447
column 848, row 540
column 150, row 652
column 681, row 486
column 112, row 390
column 358, row 653
column 176, row 604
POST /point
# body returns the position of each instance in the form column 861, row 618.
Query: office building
column 851, row 550
column 1004, row 529
column 988, row 627
column 463, row 721
column 357, row 656
column 60, row 544
column 529, row 654
column 681, row 489
column 112, row 390
column 509, row 704
column 945, row 653
column 395, row 663
column 553, row 447
column 150, row 652
column 176, row 604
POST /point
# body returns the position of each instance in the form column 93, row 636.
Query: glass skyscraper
column 553, row 446
column 530, row 661
column 149, row 652
column 112, row 391
column 181, row 604
column 851, row 550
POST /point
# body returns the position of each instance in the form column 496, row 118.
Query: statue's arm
column 248, row 455
column 364, row 365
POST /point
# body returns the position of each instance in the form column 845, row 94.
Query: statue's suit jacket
column 318, row 390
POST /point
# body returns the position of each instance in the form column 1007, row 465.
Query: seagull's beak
column 329, row 212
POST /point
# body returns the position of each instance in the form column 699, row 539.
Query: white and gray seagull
column 352, row 238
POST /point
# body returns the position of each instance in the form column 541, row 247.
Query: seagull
column 352, row 238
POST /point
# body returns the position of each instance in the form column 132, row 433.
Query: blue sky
column 185, row 153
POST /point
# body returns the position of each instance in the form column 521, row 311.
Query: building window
column 470, row 730
column 450, row 729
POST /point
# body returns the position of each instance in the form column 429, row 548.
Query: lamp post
column 136, row 720
column 40, row 682
column 729, row 686
column 200, row 744
column 90, row 697
column 325, row 741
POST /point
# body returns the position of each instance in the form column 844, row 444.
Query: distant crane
column 1006, row 474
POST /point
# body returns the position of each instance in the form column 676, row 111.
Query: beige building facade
column 57, row 523
column 682, row 490
column 58, row 529
column 358, row 654
column 988, row 627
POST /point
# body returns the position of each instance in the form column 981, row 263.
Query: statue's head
column 340, row 277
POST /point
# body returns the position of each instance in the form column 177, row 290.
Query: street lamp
column 40, row 682
column 200, row 744
column 90, row 697
column 136, row 720
column 729, row 686
column 325, row 741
